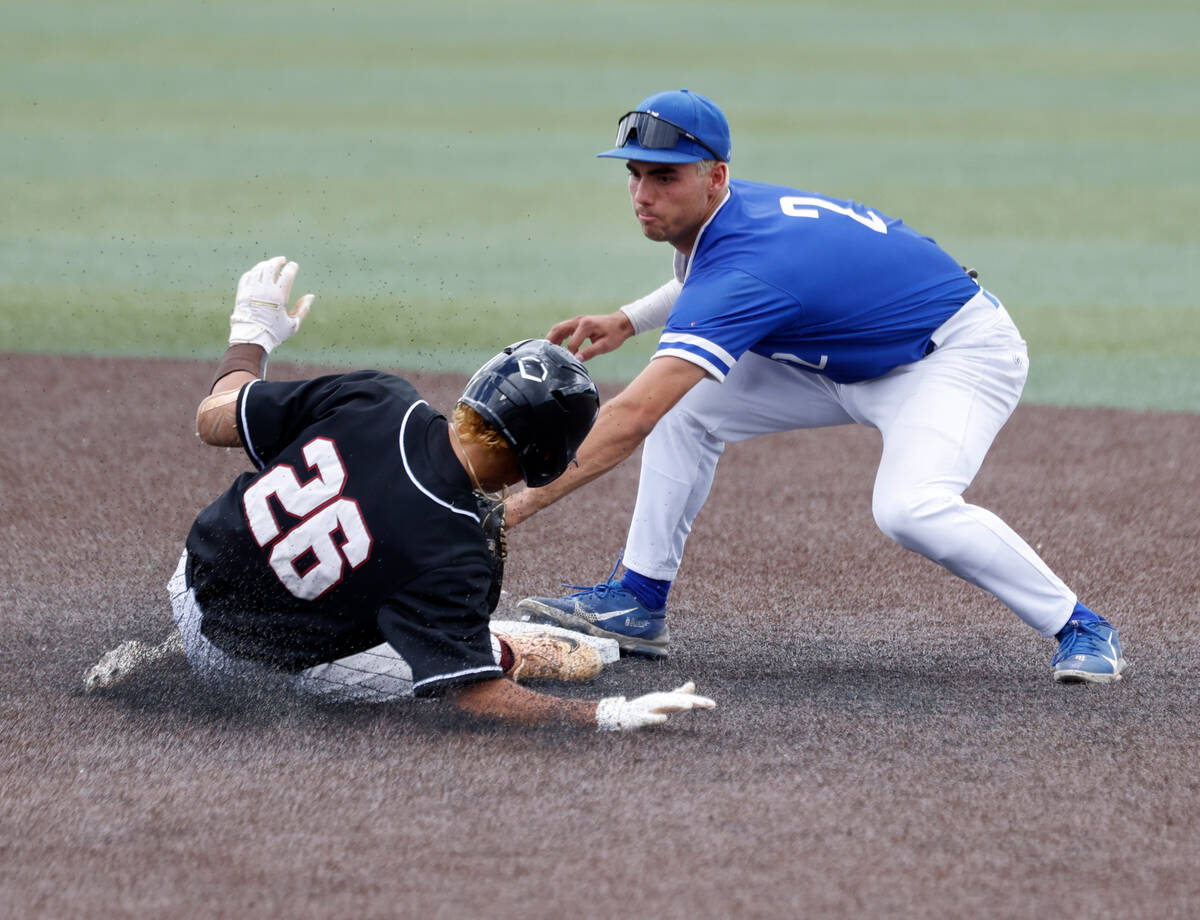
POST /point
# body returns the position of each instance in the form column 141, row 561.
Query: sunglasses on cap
column 655, row 133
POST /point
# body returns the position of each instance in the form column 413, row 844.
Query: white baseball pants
column 377, row 675
column 938, row 418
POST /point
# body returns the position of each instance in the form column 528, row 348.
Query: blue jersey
column 825, row 285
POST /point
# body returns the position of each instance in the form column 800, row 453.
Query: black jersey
column 359, row 527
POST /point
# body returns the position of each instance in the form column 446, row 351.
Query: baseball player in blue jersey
column 790, row 309
column 353, row 562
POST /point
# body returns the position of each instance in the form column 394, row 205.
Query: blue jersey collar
column 682, row 263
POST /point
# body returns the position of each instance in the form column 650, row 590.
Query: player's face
column 673, row 200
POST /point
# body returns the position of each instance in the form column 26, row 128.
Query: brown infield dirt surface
column 888, row 740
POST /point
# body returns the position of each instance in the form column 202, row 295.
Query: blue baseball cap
column 677, row 126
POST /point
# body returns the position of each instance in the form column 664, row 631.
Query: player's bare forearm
column 505, row 700
column 621, row 426
column 614, row 437
column 510, row 702
column 216, row 422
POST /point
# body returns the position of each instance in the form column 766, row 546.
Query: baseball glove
column 543, row 656
column 491, row 519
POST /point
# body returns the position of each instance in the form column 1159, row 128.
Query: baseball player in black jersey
column 353, row 562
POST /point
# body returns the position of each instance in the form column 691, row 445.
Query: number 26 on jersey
column 307, row 559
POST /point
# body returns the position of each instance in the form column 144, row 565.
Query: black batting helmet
column 541, row 399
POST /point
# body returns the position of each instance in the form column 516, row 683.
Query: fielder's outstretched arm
column 621, row 426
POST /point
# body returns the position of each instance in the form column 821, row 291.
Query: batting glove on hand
column 260, row 314
column 617, row 714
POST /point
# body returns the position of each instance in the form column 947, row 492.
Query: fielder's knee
column 911, row 518
column 677, row 436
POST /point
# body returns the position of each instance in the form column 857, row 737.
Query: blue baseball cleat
column 1090, row 652
column 608, row 610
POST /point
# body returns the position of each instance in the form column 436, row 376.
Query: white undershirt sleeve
column 651, row 311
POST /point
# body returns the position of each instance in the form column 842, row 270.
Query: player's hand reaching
column 260, row 312
column 615, row 713
column 606, row 333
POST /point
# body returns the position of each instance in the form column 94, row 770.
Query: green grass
column 431, row 166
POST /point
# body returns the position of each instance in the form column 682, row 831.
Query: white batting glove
column 617, row 714
column 260, row 314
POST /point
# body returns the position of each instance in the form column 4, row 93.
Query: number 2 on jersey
column 801, row 206
column 322, row 510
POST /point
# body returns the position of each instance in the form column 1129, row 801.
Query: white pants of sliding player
column 938, row 417
column 375, row 676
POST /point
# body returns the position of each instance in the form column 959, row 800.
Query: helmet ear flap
column 543, row 402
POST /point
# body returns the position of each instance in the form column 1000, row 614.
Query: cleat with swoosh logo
column 1089, row 652
column 607, row 610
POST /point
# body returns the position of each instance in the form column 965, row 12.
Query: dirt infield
column 888, row 740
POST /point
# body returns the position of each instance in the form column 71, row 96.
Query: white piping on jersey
column 484, row 670
column 687, row 260
column 796, row 359
column 693, row 358
column 408, row 469
column 246, row 426
column 712, row 348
